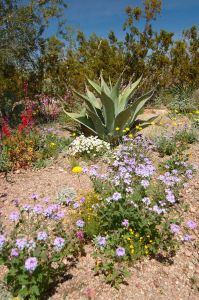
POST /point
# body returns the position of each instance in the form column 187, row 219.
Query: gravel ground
column 149, row 279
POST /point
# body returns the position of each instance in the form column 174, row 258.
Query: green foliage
column 186, row 135
column 112, row 108
column 165, row 145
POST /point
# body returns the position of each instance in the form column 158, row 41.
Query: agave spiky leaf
column 110, row 107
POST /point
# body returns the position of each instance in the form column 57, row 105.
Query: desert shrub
column 182, row 100
column 24, row 148
column 36, row 249
column 165, row 145
column 186, row 135
column 88, row 147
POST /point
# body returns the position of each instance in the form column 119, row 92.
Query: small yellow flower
column 150, row 241
column 190, row 113
column 132, row 251
column 146, row 252
column 137, row 235
column 146, row 247
column 174, row 118
column 174, row 124
column 124, row 130
column 16, row 298
column 77, row 169
column 131, row 247
column 152, row 123
column 129, row 239
column 130, row 229
column 141, row 238
column 127, row 129
column 74, row 134
column 197, row 112
column 117, row 128
column 130, row 135
column 52, row 145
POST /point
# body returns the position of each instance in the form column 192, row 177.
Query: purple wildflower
column 144, row 183
column 80, row 223
column 14, row 216
column 191, row 224
column 101, row 240
column 16, row 202
column 42, row 236
column 59, row 215
column 82, row 200
column 116, row 196
column 21, row 243
column 14, row 252
column 175, row 228
column 2, row 241
column 146, row 201
column 58, row 243
column 68, row 201
column 189, row 173
column 34, row 196
column 38, row 209
column 27, row 207
column 187, row 238
column 120, row 251
column 170, row 196
column 31, row 264
column 125, row 223
column 76, row 205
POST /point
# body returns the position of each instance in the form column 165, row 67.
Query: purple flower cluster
column 120, row 252
column 14, row 216
column 175, row 228
column 59, row 243
column 101, row 240
column 80, row 223
column 170, row 196
column 125, row 223
column 14, row 252
column 31, row 264
column 21, row 243
column 42, row 236
column 169, row 179
column 191, row 224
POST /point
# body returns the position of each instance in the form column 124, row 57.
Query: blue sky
column 101, row 16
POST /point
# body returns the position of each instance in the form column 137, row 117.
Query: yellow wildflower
column 131, row 247
column 146, row 252
column 124, row 130
column 77, row 169
column 130, row 135
column 129, row 239
column 152, row 123
column 137, row 235
column 127, row 129
column 74, row 134
column 174, row 124
column 117, row 128
column 52, row 145
column 197, row 112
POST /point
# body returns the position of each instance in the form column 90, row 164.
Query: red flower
column 6, row 130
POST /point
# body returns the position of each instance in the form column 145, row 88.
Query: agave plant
column 111, row 109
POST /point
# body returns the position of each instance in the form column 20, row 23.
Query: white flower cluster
column 88, row 146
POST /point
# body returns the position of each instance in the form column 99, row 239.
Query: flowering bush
column 36, row 250
column 88, row 147
column 134, row 214
column 23, row 148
